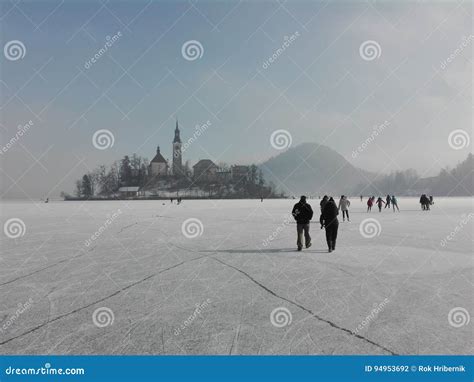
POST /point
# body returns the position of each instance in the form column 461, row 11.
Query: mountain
column 316, row 170
column 456, row 182
column 312, row 169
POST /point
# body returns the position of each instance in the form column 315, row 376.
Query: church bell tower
column 177, row 160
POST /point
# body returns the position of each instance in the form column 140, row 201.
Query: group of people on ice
column 426, row 202
column 389, row 200
column 303, row 213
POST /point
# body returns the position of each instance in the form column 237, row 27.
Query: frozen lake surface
column 232, row 282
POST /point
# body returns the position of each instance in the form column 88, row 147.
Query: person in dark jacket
column 425, row 202
column 329, row 221
column 303, row 213
column 323, row 202
column 388, row 200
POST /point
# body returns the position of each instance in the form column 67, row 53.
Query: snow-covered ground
column 231, row 282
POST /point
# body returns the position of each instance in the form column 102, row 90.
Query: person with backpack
column 303, row 213
column 329, row 221
column 344, row 204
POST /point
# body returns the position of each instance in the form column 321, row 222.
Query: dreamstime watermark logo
column 466, row 219
column 22, row 308
column 281, row 139
column 192, row 228
column 286, row 221
column 103, row 227
column 21, row 131
column 370, row 50
column 372, row 316
column 14, row 50
column 459, row 139
column 287, row 41
column 377, row 130
column 45, row 370
column 103, row 317
column 458, row 317
column 192, row 317
column 103, row 139
column 199, row 129
column 14, row 228
column 463, row 45
column 281, row 317
column 192, row 50
column 109, row 41
column 369, row 228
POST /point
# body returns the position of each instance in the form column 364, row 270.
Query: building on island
column 240, row 173
column 129, row 191
column 158, row 165
column 205, row 170
column 223, row 175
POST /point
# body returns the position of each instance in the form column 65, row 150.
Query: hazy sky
column 321, row 87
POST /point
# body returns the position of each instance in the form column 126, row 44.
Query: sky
column 324, row 72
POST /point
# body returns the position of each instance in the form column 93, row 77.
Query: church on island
column 205, row 170
column 159, row 165
column 135, row 177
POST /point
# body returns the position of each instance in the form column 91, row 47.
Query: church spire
column 177, row 139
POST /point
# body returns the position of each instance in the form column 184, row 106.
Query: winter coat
column 302, row 212
column 344, row 204
column 329, row 214
column 323, row 203
column 394, row 200
column 370, row 202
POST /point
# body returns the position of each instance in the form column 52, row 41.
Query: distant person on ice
column 344, row 204
column 361, row 198
column 395, row 203
column 380, row 202
column 370, row 203
column 303, row 213
column 329, row 221
column 424, row 202
column 387, row 201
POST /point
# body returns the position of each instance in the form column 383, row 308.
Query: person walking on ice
column 380, row 202
column 395, row 203
column 344, row 204
column 303, row 213
column 387, row 201
column 370, row 203
column 329, row 221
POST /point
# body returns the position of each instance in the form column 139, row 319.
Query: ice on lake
column 224, row 277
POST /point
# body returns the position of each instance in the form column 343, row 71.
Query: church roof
column 158, row 157
column 205, row 162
